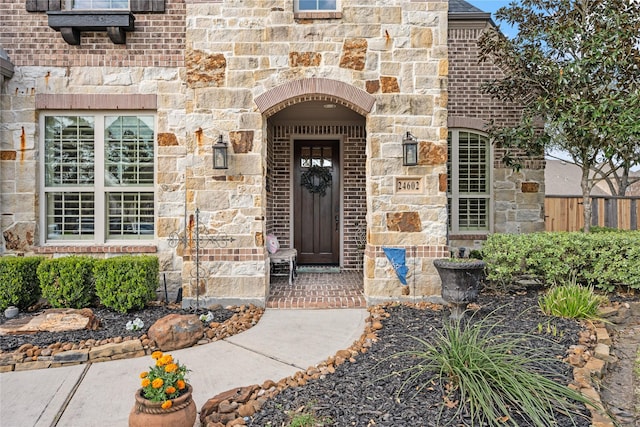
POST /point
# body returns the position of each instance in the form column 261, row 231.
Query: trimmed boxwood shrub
column 602, row 260
column 19, row 281
column 126, row 282
column 67, row 282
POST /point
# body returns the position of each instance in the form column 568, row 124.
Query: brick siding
column 158, row 40
column 466, row 97
column 354, row 184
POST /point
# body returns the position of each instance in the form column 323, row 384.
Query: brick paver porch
column 318, row 290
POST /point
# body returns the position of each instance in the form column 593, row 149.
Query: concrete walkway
column 101, row 394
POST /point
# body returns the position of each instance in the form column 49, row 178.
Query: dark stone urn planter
column 461, row 280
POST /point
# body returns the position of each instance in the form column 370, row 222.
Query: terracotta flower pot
column 146, row 413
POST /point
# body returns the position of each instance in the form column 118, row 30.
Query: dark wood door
column 317, row 201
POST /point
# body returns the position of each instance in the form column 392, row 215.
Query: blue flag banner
column 396, row 257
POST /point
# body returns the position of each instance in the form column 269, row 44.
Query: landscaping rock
column 53, row 320
column 228, row 405
column 176, row 331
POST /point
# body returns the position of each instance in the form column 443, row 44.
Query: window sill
column 96, row 249
column 470, row 236
column 317, row 15
column 72, row 23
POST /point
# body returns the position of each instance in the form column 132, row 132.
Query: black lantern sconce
column 220, row 160
column 409, row 150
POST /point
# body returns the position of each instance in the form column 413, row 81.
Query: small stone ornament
column 11, row 312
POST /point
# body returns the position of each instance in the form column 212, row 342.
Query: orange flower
column 165, row 360
column 170, row 390
column 171, row 367
column 166, row 404
column 146, row 382
column 181, row 385
column 157, row 383
column 156, row 355
column 144, row 374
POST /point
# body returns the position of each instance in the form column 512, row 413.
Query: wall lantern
column 220, row 154
column 409, row 150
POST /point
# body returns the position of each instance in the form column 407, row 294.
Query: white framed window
column 316, row 5
column 469, row 182
column 96, row 5
column 98, row 174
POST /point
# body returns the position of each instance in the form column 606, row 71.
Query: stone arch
column 314, row 89
column 461, row 122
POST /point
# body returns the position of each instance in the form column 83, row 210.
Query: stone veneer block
column 432, row 154
column 354, row 54
column 603, row 336
column 71, row 356
column 242, row 141
column 111, row 349
column 28, row 366
column 404, row 222
column 596, row 366
column 530, row 187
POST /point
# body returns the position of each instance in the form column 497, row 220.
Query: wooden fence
column 565, row 213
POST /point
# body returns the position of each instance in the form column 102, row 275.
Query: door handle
column 337, row 222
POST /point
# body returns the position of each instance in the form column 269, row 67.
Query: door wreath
column 316, row 179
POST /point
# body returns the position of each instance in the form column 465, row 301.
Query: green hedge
column 126, row 282
column 603, row 260
column 19, row 281
column 67, row 282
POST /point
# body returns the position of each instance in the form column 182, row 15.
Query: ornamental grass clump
column 497, row 378
column 571, row 301
column 164, row 381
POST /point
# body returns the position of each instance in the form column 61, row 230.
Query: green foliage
column 574, row 65
column 598, row 229
column 165, row 379
column 67, row 282
column 306, row 417
column 19, row 281
column 490, row 372
column 571, row 301
column 550, row 329
column 126, row 282
column 602, row 260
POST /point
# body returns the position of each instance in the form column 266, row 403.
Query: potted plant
column 165, row 399
column 461, row 279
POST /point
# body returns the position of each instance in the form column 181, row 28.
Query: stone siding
column 225, row 68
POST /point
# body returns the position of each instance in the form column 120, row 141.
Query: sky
column 491, row 6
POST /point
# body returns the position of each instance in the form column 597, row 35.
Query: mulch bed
column 112, row 324
column 363, row 393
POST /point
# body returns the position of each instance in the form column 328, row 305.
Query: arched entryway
column 316, row 189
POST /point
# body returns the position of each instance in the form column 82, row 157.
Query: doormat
column 318, row 269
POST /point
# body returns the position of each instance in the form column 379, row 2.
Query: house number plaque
column 407, row 185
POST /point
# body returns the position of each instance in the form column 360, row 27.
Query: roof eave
column 471, row 17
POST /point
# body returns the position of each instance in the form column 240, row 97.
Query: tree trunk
column 586, row 197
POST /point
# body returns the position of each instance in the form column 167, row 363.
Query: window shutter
column 37, row 5
column 147, row 5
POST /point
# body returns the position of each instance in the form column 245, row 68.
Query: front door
column 317, row 201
